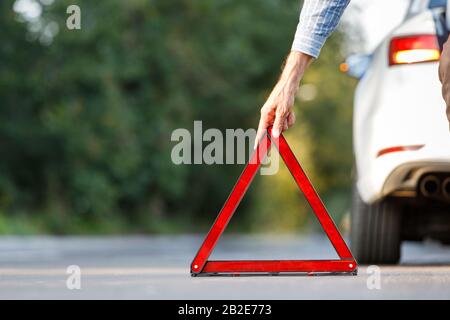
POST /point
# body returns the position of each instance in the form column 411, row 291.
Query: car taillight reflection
column 413, row 49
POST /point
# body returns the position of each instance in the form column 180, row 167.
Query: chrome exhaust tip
column 446, row 188
column 429, row 186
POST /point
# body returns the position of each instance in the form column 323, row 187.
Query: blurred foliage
column 86, row 115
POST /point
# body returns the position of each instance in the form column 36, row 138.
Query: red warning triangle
column 346, row 263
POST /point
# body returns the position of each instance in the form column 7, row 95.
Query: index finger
column 262, row 127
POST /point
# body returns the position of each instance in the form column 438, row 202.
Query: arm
column 317, row 20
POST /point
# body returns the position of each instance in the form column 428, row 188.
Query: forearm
column 293, row 71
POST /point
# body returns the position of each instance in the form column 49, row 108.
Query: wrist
column 294, row 69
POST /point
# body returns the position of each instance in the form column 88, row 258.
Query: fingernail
column 275, row 133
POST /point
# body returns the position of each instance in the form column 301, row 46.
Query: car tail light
column 414, row 49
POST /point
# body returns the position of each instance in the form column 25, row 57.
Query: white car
column 401, row 139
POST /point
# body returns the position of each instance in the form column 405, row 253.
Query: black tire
column 375, row 230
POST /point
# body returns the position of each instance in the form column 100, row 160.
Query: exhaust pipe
column 429, row 186
column 446, row 188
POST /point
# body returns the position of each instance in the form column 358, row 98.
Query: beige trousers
column 444, row 75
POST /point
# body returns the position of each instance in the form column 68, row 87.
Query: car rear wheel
column 375, row 230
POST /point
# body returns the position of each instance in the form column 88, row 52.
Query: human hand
column 277, row 111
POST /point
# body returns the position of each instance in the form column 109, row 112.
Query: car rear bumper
column 399, row 173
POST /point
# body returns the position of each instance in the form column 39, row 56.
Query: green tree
column 86, row 115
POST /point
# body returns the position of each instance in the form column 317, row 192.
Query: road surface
column 158, row 268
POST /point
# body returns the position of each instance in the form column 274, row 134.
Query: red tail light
column 414, row 49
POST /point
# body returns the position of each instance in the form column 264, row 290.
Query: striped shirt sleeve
column 318, row 19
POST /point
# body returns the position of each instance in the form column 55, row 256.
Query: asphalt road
column 158, row 268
